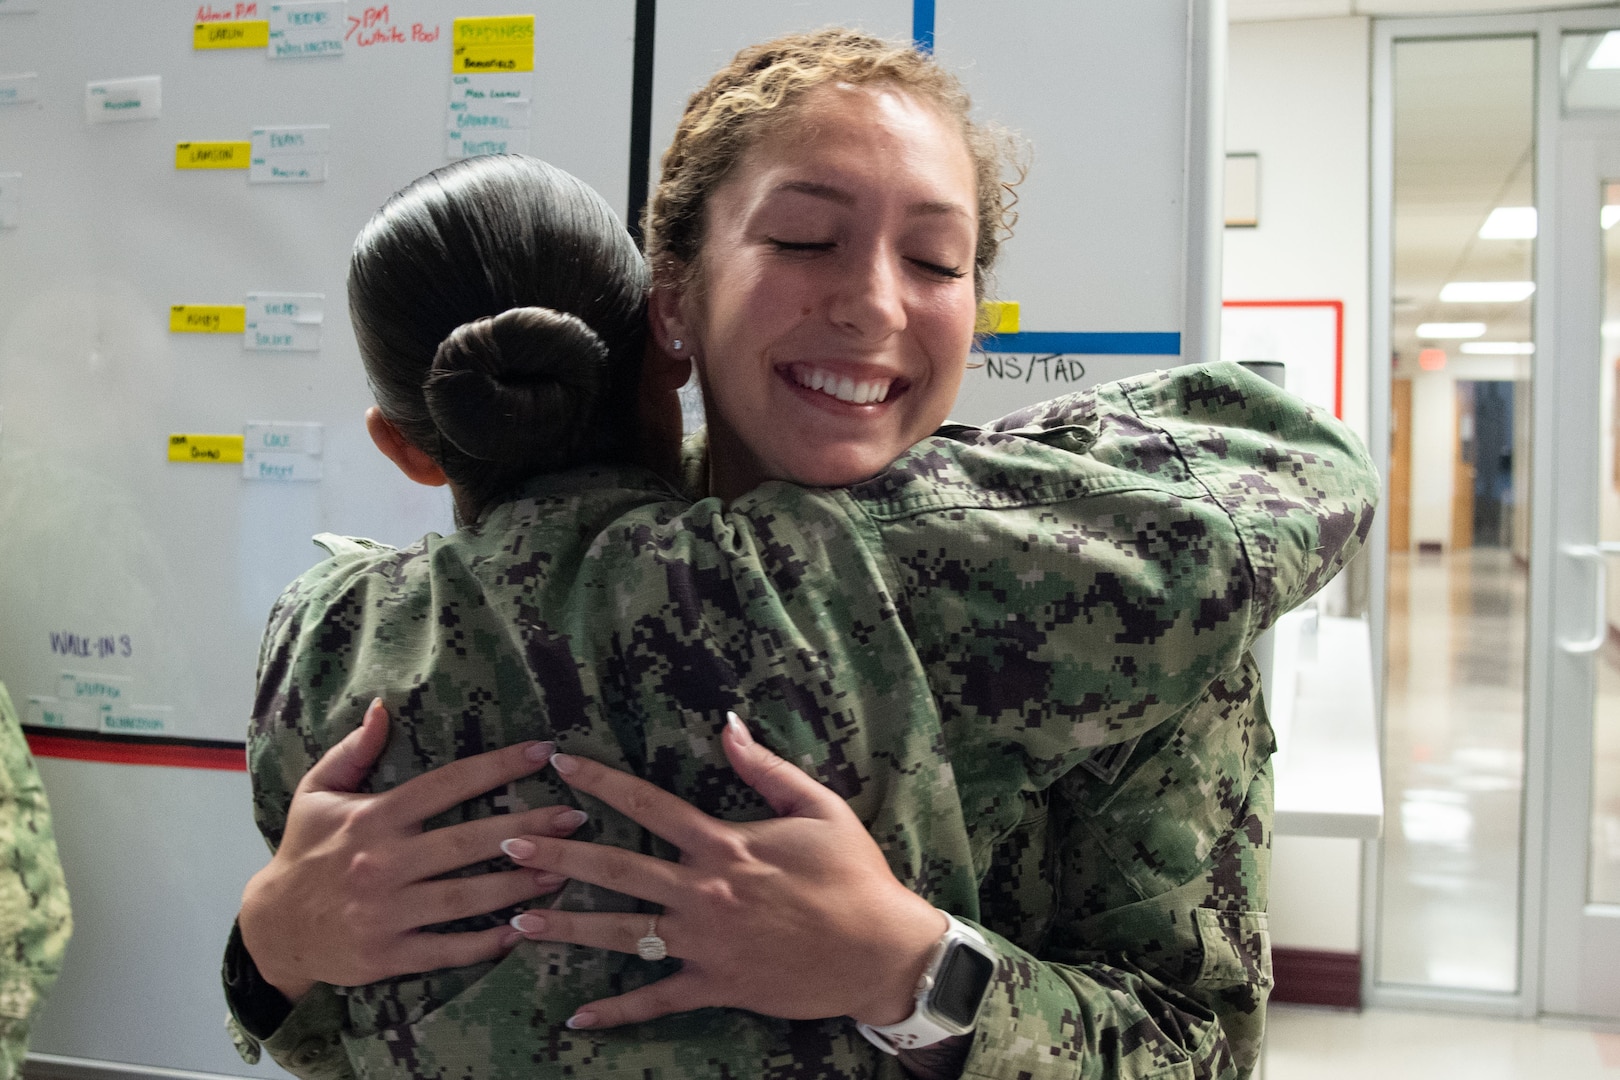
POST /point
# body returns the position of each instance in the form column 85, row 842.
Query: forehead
column 876, row 133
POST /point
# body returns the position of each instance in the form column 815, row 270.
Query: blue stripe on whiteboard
column 1084, row 344
column 922, row 25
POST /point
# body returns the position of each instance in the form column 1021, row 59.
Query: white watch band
column 920, row 1029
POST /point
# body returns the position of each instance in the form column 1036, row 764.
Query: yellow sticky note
column 243, row 34
column 212, row 155
column 496, row 43
column 207, row 318
column 493, row 30
column 206, row 449
column 997, row 317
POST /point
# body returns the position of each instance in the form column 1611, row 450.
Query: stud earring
column 676, row 344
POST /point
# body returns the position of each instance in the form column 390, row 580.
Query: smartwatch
column 950, row 995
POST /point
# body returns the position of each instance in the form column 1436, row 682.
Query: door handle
column 1593, row 553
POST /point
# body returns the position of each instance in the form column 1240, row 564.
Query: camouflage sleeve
column 306, row 1042
column 1084, row 575
column 1157, row 960
column 35, row 922
column 1298, row 485
column 1089, row 634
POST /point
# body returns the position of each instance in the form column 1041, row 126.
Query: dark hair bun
column 519, row 388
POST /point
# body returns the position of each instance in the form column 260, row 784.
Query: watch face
column 961, row 984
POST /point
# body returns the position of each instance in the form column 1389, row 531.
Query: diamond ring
column 652, row 947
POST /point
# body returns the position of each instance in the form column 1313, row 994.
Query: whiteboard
column 152, row 578
column 101, row 536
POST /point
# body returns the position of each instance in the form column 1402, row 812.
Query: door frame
column 1589, row 154
column 1552, row 130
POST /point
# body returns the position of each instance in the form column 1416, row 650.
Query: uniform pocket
column 1237, row 948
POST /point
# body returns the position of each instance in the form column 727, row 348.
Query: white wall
column 1298, row 96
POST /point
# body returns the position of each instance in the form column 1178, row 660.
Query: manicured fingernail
column 528, row 923
column 517, row 848
column 564, row 763
column 540, row 752
column 510, row 938
column 582, row 1020
column 739, row 729
column 571, row 819
column 548, row 880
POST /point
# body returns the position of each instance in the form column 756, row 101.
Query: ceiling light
column 1499, row 348
column 1607, row 54
column 1519, row 222
column 1451, row 329
column 1486, row 292
column 1510, row 223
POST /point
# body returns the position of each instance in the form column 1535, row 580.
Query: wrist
column 259, row 941
column 903, row 966
column 949, row 996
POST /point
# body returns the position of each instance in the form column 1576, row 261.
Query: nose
column 869, row 297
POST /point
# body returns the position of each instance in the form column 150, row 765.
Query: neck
column 732, row 470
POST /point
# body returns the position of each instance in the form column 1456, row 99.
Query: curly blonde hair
column 757, row 93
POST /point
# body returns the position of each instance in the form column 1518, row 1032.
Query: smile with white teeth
column 842, row 387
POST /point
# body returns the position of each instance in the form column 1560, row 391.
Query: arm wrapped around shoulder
column 1298, row 484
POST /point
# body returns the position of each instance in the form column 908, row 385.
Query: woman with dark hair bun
column 1001, row 806
column 493, row 389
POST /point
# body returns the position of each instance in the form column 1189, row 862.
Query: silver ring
column 652, row 947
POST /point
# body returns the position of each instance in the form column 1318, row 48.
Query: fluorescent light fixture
column 1510, row 223
column 1438, row 330
column 1519, row 222
column 1486, row 292
column 1498, row 348
column 1607, row 54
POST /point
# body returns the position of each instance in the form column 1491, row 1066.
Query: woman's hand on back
column 351, row 885
column 797, row 916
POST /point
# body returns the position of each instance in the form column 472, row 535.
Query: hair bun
column 519, row 388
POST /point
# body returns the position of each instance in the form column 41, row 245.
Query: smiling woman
column 821, row 235
column 832, row 312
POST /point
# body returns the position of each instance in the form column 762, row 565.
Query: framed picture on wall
column 1305, row 336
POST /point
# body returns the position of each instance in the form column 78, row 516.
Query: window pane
column 1455, row 660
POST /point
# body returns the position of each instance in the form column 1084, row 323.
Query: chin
column 846, row 471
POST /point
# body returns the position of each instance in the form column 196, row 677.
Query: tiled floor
column 1454, row 770
column 1377, row 1044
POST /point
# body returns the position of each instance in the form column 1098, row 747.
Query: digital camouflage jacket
column 1020, row 654
column 35, row 922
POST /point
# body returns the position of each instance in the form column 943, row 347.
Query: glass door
column 1581, row 924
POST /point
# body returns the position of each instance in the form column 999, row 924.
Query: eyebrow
column 843, row 198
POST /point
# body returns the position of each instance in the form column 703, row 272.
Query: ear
column 411, row 460
column 667, row 323
column 664, row 370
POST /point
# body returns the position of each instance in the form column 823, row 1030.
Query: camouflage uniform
column 34, row 917
column 1020, row 654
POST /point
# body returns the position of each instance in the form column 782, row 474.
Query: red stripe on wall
column 118, row 752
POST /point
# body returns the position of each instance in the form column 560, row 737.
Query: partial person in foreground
column 1016, row 655
column 35, row 920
